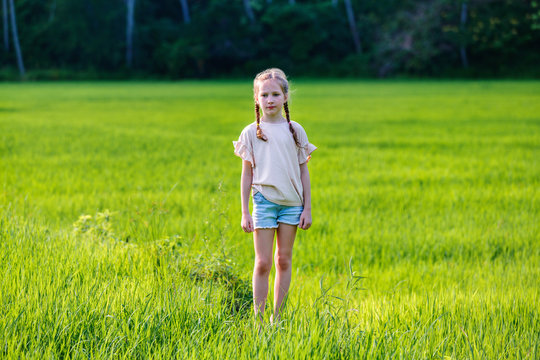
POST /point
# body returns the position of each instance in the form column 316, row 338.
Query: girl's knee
column 262, row 266
column 283, row 261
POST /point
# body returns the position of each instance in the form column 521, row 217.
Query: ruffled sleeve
column 306, row 148
column 243, row 147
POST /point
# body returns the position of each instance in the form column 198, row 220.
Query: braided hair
column 260, row 134
column 281, row 78
column 291, row 128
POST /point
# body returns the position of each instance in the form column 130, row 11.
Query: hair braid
column 260, row 134
column 291, row 128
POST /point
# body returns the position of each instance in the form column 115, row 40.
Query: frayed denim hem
column 286, row 223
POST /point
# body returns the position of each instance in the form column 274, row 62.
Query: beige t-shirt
column 276, row 162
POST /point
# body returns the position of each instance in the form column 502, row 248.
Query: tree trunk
column 249, row 11
column 16, row 44
column 185, row 11
column 352, row 26
column 6, row 24
column 52, row 11
column 463, row 22
column 130, row 24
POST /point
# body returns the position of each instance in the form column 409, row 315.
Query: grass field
column 120, row 222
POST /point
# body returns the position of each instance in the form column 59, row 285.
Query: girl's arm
column 245, row 188
column 305, row 218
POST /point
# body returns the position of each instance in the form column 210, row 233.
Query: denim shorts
column 267, row 215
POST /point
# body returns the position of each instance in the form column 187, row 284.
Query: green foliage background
column 120, row 236
column 86, row 39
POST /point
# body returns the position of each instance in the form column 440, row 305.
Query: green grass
column 425, row 242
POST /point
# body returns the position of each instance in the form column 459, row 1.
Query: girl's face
column 270, row 97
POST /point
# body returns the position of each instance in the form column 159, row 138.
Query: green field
column 120, row 222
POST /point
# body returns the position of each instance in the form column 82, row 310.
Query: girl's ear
column 286, row 97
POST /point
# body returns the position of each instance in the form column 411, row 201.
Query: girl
column 275, row 152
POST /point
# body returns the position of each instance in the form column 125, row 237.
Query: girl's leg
column 283, row 260
column 263, row 240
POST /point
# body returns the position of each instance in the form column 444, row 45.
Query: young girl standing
column 275, row 151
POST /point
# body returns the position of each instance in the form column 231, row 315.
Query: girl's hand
column 247, row 223
column 305, row 220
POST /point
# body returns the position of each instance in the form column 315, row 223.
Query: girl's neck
column 276, row 119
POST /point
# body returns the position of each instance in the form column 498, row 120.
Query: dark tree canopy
column 87, row 38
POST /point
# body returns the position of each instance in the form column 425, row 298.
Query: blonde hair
column 281, row 78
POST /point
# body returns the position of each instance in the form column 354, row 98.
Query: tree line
column 224, row 38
